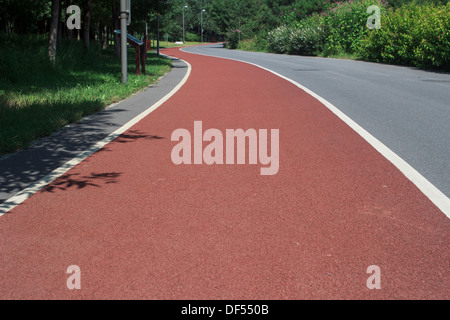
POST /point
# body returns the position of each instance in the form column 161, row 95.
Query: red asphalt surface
column 140, row 227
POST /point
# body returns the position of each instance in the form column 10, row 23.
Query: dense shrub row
column 346, row 25
column 413, row 34
column 233, row 37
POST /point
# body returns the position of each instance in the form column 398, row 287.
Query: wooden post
column 137, row 58
column 144, row 54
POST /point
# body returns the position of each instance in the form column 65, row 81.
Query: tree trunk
column 53, row 30
column 87, row 23
column 69, row 32
column 5, row 18
column 96, row 34
column 60, row 27
column 105, row 36
column 116, row 26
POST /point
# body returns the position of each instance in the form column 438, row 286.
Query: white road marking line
column 435, row 195
column 21, row 196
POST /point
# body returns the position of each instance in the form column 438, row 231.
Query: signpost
column 129, row 12
column 140, row 50
column 124, row 20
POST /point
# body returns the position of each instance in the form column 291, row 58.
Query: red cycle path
column 140, row 227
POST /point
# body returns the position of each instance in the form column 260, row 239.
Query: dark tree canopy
column 220, row 16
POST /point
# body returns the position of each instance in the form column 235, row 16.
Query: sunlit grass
column 37, row 99
column 165, row 44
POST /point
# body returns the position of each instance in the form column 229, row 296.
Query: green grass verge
column 165, row 44
column 37, row 98
column 348, row 56
column 253, row 45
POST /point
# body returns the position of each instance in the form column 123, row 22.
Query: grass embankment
column 37, row 99
column 414, row 34
column 165, row 44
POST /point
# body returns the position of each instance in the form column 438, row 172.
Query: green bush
column 433, row 30
column 339, row 29
column 192, row 37
column 346, row 25
column 233, row 38
column 306, row 41
column 417, row 35
column 257, row 43
column 308, row 38
column 304, row 38
column 279, row 39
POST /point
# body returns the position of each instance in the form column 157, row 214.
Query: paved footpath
column 140, row 227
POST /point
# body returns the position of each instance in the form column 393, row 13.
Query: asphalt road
column 407, row 109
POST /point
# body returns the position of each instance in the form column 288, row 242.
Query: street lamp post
column 201, row 18
column 184, row 29
column 123, row 39
column 157, row 34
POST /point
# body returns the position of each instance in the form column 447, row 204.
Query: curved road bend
column 140, row 227
column 408, row 110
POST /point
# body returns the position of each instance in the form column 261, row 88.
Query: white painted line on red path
column 21, row 196
column 435, row 195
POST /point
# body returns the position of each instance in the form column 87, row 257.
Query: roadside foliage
column 411, row 35
column 414, row 34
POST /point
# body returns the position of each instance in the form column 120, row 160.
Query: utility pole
column 184, row 28
column 157, row 35
column 123, row 39
column 201, row 18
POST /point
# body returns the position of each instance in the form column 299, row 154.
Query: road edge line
column 436, row 196
column 21, row 196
